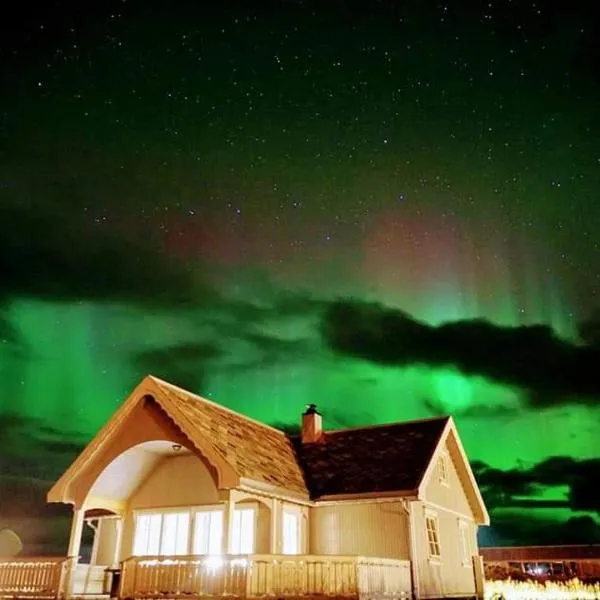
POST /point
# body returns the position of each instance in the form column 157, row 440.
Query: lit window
column 291, row 532
column 208, row 532
column 242, row 531
column 443, row 469
column 433, row 537
column 465, row 547
column 161, row 534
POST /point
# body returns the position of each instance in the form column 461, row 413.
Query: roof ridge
column 160, row 381
column 384, row 425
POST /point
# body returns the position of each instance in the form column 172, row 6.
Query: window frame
column 192, row 511
column 464, row 543
column 250, row 507
column 195, row 511
column 433, row 541
column 297, row 514
column 151, row 512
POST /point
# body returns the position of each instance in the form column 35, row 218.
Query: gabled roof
column 387, row 460
column 243, row 451
column 384, row 459
column 255, row 451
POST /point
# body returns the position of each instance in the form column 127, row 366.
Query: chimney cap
column 311, row 409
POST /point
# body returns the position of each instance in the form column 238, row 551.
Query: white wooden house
column 190, row 499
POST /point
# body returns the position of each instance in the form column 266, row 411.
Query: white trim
column 483, row 518
column 177, row 509
column 297, row 514
column 464, row 543
column 439, row 508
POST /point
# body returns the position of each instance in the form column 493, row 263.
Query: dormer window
column 443, row 469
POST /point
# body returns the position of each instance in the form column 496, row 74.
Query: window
column 433, row 537
column 161, row 534
column 291, row 532
column 242, row 531
column 208, row 532
column 443, row 469
column 465, row 547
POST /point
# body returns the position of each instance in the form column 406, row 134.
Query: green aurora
column 184, row 192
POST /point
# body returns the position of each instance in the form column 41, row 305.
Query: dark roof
column 540, row 553
column 386, row 458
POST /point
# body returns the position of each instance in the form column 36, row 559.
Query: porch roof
column 255, row 451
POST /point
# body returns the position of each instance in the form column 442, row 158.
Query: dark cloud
column 24, row 439
column 56, row 251
column 182, row 364
column 518, row 487
column 485, row 411
column 524, row 529
column 532, row 358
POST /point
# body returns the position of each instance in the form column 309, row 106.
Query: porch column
column 274, row 544
column 227, row 524
column 118, row 541
column 76, row 531
column 73, row 549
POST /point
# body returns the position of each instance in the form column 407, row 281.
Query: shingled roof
column 370, row 460
column 255, row 451
column 367, row 460
column 386, row 458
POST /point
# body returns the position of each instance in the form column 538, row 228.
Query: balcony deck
column 240, row 577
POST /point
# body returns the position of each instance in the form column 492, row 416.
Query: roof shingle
column 255, row 451
column 386, row 458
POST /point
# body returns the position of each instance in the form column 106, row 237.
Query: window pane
column 175, row 532
column 208, row 532
column 432, row 536
column 147, row 535
column 242, row 534
column 291, row 533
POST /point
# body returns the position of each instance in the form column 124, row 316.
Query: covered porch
column 204, row 577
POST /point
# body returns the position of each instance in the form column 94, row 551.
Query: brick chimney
column 312, row 425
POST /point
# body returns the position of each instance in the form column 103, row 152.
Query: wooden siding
column 447, row 575
column 180, row 481
column 176, row 481
column 451, row 496
column 364, row 529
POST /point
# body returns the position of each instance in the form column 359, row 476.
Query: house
column 189, row 499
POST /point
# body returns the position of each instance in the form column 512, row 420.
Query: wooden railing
column 260, row 576
column 41, row 577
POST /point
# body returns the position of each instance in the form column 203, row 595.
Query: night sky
column 390, row 209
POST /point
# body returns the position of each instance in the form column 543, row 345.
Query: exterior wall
column 451, row 496
column 366, row 529
column 147, row 422
column 449, row 575
column 175, row 482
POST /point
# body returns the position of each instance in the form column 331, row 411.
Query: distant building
column 542, row 562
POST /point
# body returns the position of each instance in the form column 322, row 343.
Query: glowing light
column 574, row 589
